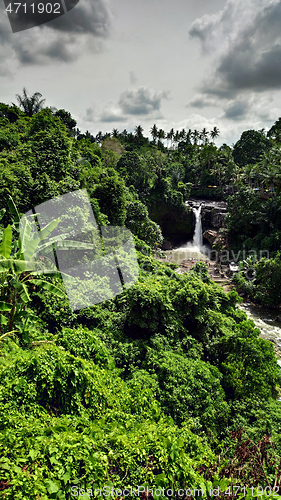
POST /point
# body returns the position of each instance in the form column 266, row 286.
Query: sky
column 181, row 64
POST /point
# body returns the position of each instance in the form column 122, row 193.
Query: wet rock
column 213, row 213
column 167, row 245
column 213, row 217
column 210, row 236
column 277, row 346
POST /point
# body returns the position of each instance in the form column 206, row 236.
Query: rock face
column 175, row 222
column 167, row 245
column 210, row 235
column 217, row 239
column 213, row 213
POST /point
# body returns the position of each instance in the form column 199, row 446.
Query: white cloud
column 141, row 101
column 64, row 39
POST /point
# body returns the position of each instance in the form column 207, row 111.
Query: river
column 264, row 320
column 194, row 251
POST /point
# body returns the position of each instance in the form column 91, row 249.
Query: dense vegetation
column 168, row 385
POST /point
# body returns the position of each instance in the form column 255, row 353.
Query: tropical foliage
column 167, row 385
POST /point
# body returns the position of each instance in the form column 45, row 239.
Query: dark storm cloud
column 253, row 106
column 236, row 110
column 245, row 39
column 251, row 71
column 90, row 115
column 142, row 101
column 110, row 117
column 5, row 29
column 91, row 16
column 200, row 101
column 57, row 50
column 63, row 39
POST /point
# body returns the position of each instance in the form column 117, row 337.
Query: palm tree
column 182, row 134
column 138, row 133
column 161, row 134
column 204, row 136
column 124, row 134
column 170, row 136
column 248, row 174
column 30, row 105
column 218, row 171
column 154, row 132
column 177, row 137
column 115, row 133
column 195, row 136
column 214, row 133
column 270, row 165
column 188, row 136
column 99, row 137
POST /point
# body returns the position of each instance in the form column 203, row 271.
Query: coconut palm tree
column 270, row 165
column 248, row 174
column 124, row 134
column 195, row 136
column 176, row 137
column 115, row 133
column 214, row 133
column 204, row 136
column 188, row 136
column 161, row 134
column 154, row 132
column 182, row 134
column 170, row 136
column 30, row 105
column 138, row 134
column 99, row 137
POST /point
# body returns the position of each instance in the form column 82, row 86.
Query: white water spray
column 193, row 250
column 198, row 236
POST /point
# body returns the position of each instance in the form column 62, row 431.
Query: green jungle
column 166, row 390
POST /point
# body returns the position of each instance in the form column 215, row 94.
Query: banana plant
column 15, row 272
column 21, row 262
column 19, row 266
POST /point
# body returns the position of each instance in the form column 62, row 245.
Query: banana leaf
column 14, row 211
column 5, row 307
column 6, row 244
column 45, row 285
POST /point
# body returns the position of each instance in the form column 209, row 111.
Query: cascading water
column 194, row 250
column 198, row 236
column 265, row 320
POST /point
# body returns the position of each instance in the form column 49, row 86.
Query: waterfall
column 192, row 251
column 198, row 236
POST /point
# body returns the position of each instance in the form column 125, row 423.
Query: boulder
column 210, row 236
column 167, row 245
